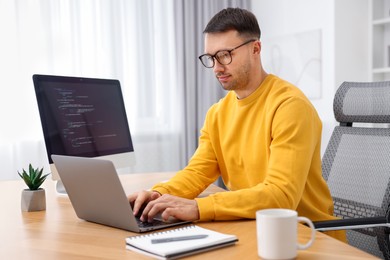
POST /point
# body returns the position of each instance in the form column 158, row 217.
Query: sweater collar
column 257, row 93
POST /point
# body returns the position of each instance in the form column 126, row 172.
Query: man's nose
column 218, row 67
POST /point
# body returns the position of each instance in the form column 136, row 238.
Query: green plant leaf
column 40, row 181
column 34, row 178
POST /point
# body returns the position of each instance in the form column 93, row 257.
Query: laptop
column 97, row 195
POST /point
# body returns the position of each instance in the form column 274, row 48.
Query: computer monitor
column 83, row 117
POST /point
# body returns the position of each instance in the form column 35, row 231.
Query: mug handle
column 313, row 233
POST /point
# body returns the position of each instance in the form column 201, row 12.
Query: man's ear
column 257, row 47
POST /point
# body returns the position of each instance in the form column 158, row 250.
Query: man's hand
column 141, row 198
column 171, row 206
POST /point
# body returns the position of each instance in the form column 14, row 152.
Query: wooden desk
column 58, row 234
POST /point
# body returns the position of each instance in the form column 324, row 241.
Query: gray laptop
column 97, row 195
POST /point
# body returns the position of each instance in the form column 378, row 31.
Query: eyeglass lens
column 223, row 57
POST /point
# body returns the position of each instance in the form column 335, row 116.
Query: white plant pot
column 33, row 200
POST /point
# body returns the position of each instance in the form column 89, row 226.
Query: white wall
column 344, row 41
column 352, row 41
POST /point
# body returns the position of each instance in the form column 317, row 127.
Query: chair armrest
column 353, row 223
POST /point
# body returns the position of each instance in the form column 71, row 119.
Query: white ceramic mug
column 277, row 233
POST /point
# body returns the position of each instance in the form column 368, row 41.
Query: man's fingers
column 170, row 212
column 171, row 206
column 132, row 197
column 155, row 195
column 137, row 206
column 154, row 207
column 138, row 200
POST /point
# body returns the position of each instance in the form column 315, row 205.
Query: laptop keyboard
column 154, row 223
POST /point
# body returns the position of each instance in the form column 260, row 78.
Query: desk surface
column 57, row 233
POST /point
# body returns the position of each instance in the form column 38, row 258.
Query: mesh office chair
column 356, row 166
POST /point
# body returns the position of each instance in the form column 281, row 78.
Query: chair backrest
column 356, row 163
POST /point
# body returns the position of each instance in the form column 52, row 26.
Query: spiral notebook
column 179, row 242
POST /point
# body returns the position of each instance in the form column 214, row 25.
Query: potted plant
column 33, row 198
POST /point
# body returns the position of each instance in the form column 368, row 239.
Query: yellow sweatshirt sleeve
column 201, row 171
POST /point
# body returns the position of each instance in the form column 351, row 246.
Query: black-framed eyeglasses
column 224, row 57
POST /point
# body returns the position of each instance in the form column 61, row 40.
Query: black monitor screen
column 82, row 116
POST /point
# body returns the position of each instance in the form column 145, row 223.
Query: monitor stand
column 60, row 188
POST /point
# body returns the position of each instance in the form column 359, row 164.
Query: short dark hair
column 241, row 20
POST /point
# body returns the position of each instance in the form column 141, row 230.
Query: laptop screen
column 82, row 116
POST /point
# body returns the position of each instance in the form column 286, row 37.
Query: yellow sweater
column 266, row 147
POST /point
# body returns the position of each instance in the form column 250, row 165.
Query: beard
column 237, row 80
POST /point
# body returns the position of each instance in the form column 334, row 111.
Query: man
column 263, row 138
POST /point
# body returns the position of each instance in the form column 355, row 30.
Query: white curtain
column 135, row 41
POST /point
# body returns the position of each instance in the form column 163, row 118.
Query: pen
column 173, row 239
